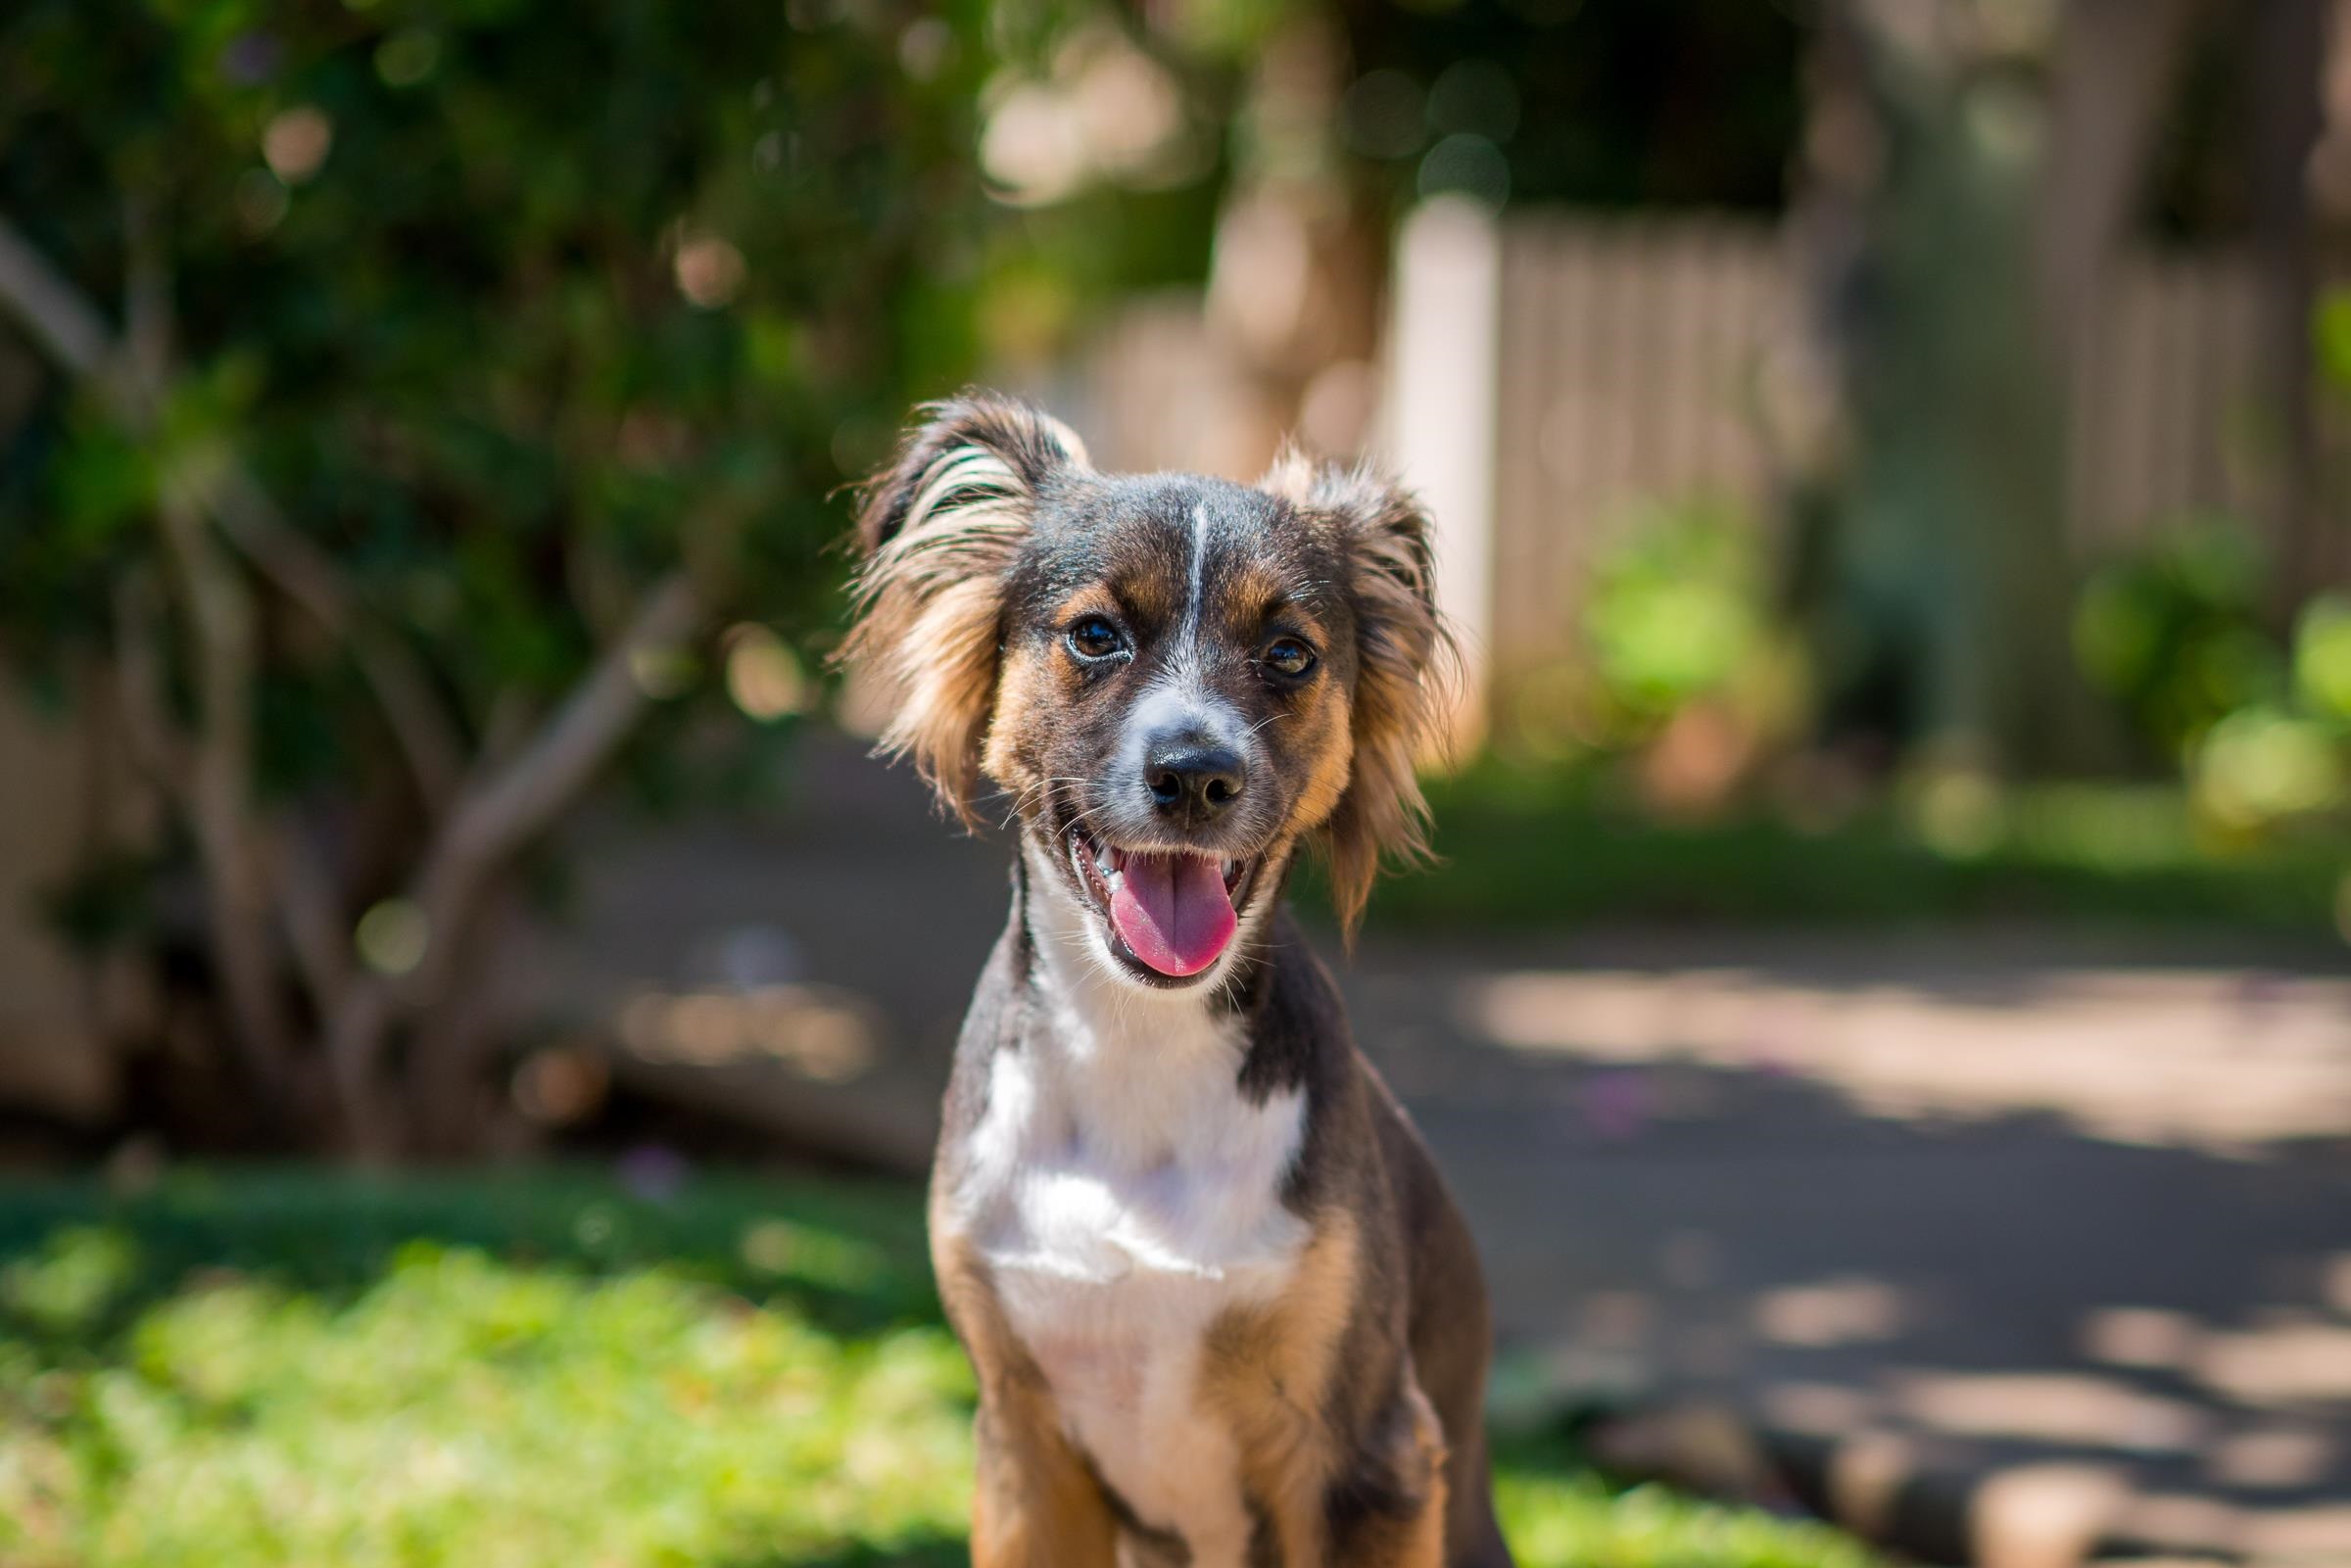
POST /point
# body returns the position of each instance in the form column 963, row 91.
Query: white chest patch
column 1124, row 1194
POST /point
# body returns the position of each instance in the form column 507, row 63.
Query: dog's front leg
column 1387, row 1509
column 1038, row 1505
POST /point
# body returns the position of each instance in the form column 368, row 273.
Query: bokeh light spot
column 260, row 202
column 763, row 675
column 392, row 936
column 407, row 56
column 1466, row 165
column 297, row 141
column 710, row 270
column 1474, row 97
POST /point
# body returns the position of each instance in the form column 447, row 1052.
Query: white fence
column 1547, row 373
column 1641, row 358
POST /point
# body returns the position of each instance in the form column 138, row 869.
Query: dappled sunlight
column 2044, row 1515
column 821, row 1032
column 1837, row 1312
column 2213, row 1059
column 2148, row 1338
column 2070, row 1408
column 2283, row 1363
column 2320, row 1533
column 2276, row 1457
column 1867, row 1477
column 2018, row 1266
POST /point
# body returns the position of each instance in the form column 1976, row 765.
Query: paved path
column 2002, row 1246
column 1985, row 1254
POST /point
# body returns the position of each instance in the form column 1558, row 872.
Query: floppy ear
column 940, row 530
column 1403, row 667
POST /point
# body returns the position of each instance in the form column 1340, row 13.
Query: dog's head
column 1178, row 681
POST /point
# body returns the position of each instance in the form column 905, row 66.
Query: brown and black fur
column 1354, row 1397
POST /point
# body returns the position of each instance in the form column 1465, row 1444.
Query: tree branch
column 63, row 322
column 311, row 914
column 482, row 822
column 220, row 615
column 352, row 1008
column 147, row 314
column 155, row 743
column 69, row 328
column 503, row 811
column 514, row 802
column 2110, row 77
column 305, row 574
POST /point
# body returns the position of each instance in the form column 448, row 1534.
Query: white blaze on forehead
column 1185, row 664
column 1182, row 699
column 1191, row 611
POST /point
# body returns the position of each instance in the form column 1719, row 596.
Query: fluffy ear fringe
column 940, row 530
column 1406, row 671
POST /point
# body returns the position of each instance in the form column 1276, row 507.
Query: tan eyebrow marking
column 1095, row 598
column 1258, row 594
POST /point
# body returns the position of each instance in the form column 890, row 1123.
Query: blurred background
column 471, row 1012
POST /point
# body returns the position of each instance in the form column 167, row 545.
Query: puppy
column 1221, row 1306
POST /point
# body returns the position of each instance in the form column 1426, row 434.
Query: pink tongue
column 1173, row 912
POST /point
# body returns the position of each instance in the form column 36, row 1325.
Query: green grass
column 301, row 1368
column 1525, row 850
column 1561, row 1515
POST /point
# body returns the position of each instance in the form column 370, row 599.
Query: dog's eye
column 1094, row 638
column 1286, row 655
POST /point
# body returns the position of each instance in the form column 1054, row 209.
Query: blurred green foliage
column 509, row 302
column 1591, row 102
column 1679, row 610
column 522, row 318
column 2174, row 634
column 2261, row 724
column 279, row 1367
column 1544, row 847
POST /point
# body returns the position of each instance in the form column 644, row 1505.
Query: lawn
column 552, row 1368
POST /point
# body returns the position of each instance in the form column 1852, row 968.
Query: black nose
column 1193, row 782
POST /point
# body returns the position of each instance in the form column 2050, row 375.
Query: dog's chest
column 1124, row 1197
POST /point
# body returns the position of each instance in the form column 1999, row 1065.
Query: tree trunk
column 220, row 615
column 2116, row 60
column 2286, row 64
column 1955, row 275
column 217, row 524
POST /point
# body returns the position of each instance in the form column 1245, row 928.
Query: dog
column 1221, row 1308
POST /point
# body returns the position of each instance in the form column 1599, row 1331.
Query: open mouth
column 1170, row 911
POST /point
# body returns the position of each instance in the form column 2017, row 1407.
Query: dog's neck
column 1125, row 1056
